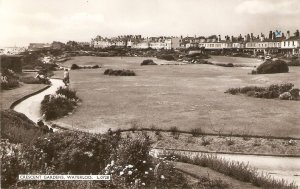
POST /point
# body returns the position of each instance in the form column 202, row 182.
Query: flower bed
column 119, row 72
column 282, row 91
column 59, row 104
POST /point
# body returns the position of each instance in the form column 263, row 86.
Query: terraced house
column 289, row 45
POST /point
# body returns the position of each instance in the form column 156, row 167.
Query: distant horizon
column 33, row 21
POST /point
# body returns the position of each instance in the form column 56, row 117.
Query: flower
column 143, row 184
column 129, row 172
column 130, row 166
column 144, row 161
column 162, row 177
column 121, row 173
column 146, row 172
column 150, row 169
column 112, row 162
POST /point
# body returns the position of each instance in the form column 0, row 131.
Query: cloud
column 269, row 7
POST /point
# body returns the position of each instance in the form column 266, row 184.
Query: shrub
column 32, row 80
column 225, row 65
column 268, row 67
column 233, row 91
column 168, row 57
column 294, row 62
column 70, row 94
column 196, row 131
column 75, row 152
column 10, row 84
column 60, row 104
column 75, row 67
column 285, row 96
column 148, row 62
column 295, row 93
column 119, row 72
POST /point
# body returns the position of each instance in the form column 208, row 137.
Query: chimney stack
column 297, row 34
column 231, row 39
column 288, row 34
column 273, row 35
column 270, row 35
column 219, row 38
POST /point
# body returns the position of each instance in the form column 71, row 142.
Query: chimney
column 231, row 39
column 273, row 35
column 262, row 37
column 270, row 35
column 288, row 34
column 219, row 38
column 297, row 34
column 252, row 36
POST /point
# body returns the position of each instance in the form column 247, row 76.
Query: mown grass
column 237, row 170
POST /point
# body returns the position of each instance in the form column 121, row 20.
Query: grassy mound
column 148, row 62
column 119, row 72
column 17, row 128
column 282, row 91
column 269, row 67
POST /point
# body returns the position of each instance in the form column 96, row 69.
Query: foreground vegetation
column 240, row 171
column 59, row 104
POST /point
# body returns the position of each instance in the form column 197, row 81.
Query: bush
column 196, row 131
column 75, row 67
column 148, row 62
column 268, row 67
column 60, row 104
column 119, row 72
column 33, row 80
column 283, row 91
column 294, row 62
column 285, row 96
column 75, row 152
column 295, row 93
column 9, row 84
column 168, row 57
column 225, row 65
column 70, row 94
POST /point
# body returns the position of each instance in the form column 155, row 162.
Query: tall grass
column 237, row 170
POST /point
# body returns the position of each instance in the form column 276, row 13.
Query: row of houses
column 274, row 43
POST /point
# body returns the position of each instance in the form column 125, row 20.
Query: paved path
column 31, row 106
column 287, row 168
column 198, row 172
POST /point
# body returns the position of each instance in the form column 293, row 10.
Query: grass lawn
column 9, row 96
column 185, row 96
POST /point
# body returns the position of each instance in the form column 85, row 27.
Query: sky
column 36, row 21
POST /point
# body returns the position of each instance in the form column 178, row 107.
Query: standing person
column 66, row 77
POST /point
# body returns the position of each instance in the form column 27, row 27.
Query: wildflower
column 162, row 177
column 129, row 172
column 144, row 161
column 150, row 169
column 143, row 184
column 146, row 172
column 130, row 166
column 121, row 173
column 112, row 162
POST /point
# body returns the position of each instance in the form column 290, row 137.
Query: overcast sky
column 25, row 21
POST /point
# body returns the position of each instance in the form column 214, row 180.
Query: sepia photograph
column 150, row 94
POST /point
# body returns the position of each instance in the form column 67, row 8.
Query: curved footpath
column 31, row 106
column 279, row 167
column 287, row 168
